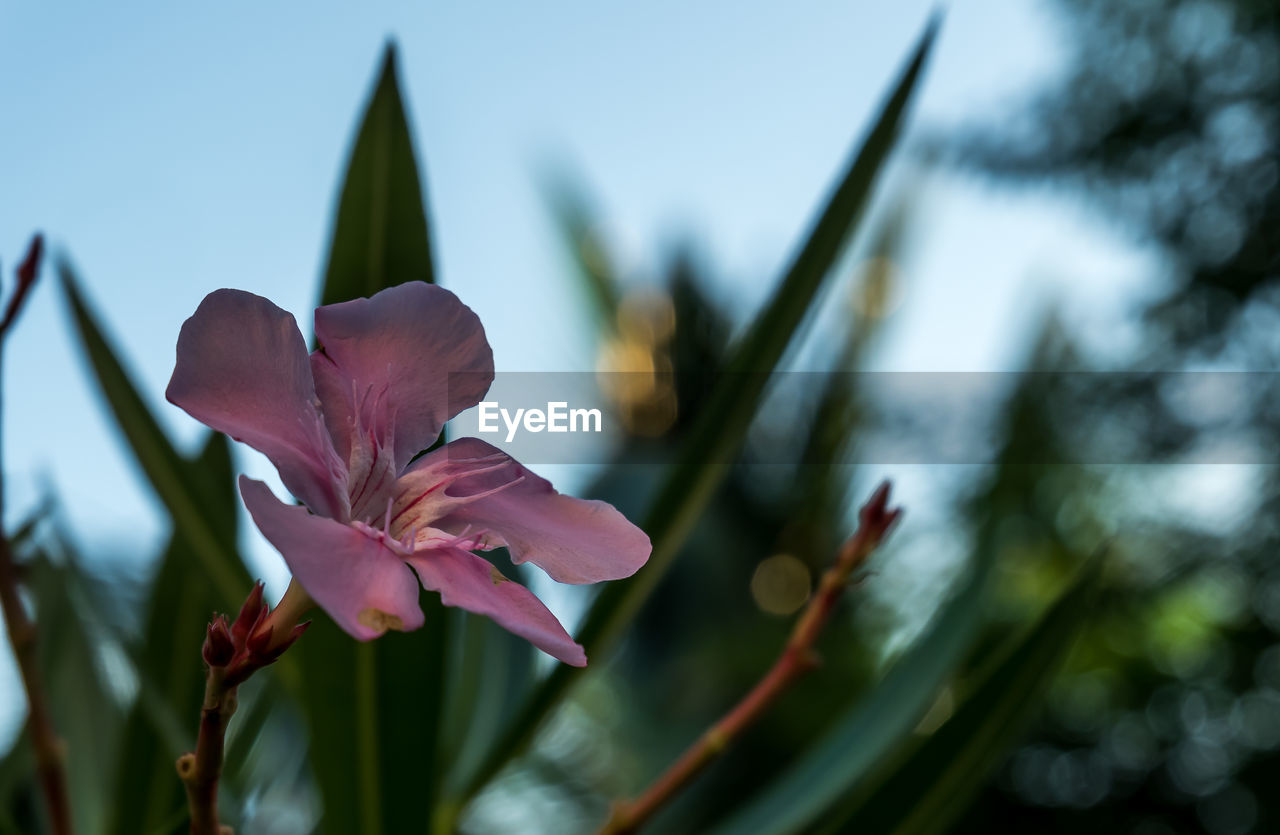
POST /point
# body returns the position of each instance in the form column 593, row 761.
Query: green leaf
column 200, row 573
column 146, row 786
column 373, row 712
column 84, row 712
column 721, row 426
column 496, row 671
column 860, row 740
column 17, row 786
column 380, row 232
column 491, row 672
column 573, row 216
column 926, row 789
column 187, row 492
column 374, row 709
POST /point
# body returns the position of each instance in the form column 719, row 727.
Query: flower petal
column 472, row 583
column 573, row 540
column 401, row 363
column 242, row 369
column 363, row 586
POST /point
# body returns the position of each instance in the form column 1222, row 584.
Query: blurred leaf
column 722, row 424
column 188, row 492
column 26, row 529
column 924, row 790
column 19, row 793
column 491, row 674
column 859, row 741
column 374, row 708
column 573, row 216
column 201, row 572
column 171, row 679
column 373, row 713
column 85, row 713
column 380, row 232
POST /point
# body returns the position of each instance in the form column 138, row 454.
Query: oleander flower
column 342, row 426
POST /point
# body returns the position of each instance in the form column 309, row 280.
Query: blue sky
column 171, row 149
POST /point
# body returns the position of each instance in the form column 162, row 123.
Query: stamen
column 448, row 478
column 498, row 489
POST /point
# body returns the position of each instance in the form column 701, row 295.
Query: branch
column 232, row 653
column 49, row 749
column 200, row 770
column 797, row 658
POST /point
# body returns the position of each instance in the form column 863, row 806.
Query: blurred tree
column 1167, row 119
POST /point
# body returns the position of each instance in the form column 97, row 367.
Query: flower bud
column 251, row 613
column 260, row 640
column 219, row 647
column 294, row 634
column 28, row 270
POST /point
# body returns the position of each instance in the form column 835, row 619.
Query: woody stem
column 201, row 770
column 796, row 659
column 49, row 749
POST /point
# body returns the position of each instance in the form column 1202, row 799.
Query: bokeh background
column 1083, row 186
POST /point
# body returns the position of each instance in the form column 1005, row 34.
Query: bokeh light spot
column 780, row 584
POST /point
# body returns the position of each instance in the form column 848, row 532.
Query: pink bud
column 250, row 614
column 875, row 516
column 294, row 634
column 219, row 647
column 260, row 640
column 27, row 272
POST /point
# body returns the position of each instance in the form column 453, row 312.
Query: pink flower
column 341, row 426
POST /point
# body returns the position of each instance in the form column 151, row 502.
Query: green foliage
column 374, row 710
column 405, row 731
column 189, row 493
column 180, row 603
column 379, row 234
column 931, row 785
column 876, row 726
column 83, row 706
column 691, row 481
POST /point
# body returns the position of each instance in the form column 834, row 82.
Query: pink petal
column 573, row 540
column 363, row 586
column 386, row 363
column 470, row 582
column 242, row 369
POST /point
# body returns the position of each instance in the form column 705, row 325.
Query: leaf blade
column 872, row 727
column 380, row 236
column 377, row 705
column 145, row 786
column 183, row 489
column 723, row 423
column 940, row 775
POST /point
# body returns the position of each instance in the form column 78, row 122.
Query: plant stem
column 232, row 652
column 49, row 749
column 200, row 771
column 797, row 658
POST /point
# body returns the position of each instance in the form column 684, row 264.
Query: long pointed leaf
column 573, row 217
column 859, row 741
column 87, row 718
column 186, row 491
column 146, row 790
column 723, row 423
column 203, row 570
column 374, row 709
column 380, row 234
column 926, row 790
